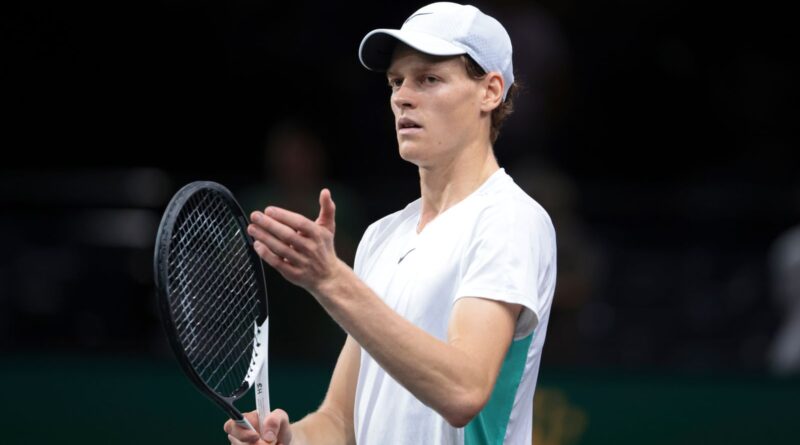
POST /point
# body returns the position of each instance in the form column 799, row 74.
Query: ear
column 493, row 92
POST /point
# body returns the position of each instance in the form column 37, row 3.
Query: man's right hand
column 331, row 424
column 274, row 431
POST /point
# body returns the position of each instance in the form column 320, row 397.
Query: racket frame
column 257, row 372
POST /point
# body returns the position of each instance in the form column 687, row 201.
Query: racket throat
column 261, row 384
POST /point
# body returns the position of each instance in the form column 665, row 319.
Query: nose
column 403, row 96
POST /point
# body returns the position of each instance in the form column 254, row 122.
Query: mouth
column 406, row 125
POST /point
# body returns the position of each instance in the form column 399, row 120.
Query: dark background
column 660, row 136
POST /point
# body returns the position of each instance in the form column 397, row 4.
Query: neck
column 443, row 186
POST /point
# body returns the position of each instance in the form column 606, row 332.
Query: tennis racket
column 213, row 296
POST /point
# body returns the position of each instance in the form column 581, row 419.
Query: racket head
column 212, row 292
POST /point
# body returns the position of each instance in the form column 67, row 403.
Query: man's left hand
column 300, row 249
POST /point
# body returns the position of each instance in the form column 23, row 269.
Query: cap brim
column 377, row 47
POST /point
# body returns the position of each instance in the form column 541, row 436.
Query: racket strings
column 188, row 263
column 215, row 301
column 223, row 305
column 241, row 344
column 215, row 333
column 213, row 287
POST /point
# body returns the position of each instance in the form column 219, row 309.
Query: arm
column 454, row 377
column 331, row 424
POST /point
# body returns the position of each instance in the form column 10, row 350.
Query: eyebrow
column 417, row 67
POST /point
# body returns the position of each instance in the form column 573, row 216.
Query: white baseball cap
column 445, row 29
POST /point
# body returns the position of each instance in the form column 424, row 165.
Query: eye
column 395, row 83
column 431, row 79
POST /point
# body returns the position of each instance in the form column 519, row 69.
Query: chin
column 410, row 152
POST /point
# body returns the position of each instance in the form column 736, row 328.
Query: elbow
column 462, row 409
column 460, row 420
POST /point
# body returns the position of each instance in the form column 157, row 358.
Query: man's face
column 436, row 106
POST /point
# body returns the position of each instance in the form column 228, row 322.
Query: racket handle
column 262, row 380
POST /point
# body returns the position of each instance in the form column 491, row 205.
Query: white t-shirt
column 497, row 243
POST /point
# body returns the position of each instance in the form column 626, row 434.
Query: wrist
column 326, row 288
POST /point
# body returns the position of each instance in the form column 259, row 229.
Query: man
column 447, row 306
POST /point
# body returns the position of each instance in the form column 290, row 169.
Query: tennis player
column 447, row 305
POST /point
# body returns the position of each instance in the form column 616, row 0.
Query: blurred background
column 661, row 137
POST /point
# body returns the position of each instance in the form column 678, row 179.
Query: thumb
column 327, row 211
column 276, row 428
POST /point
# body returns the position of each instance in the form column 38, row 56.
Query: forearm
column 321, row 428
column 448, row 382
column 332, row 423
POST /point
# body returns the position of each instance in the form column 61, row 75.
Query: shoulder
column 504, row 206
column 384, row 227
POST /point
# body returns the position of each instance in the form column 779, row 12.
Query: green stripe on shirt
column 489, row 426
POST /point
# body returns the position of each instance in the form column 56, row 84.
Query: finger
column 276, row 427
column 327, row 211
column 241, row 433
column 231, row 427
column 294, row 220
column 244, row 434
column 281, row 231
column 278, row 263
column 235, row 441
column 277, row 246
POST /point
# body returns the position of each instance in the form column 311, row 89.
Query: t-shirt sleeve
column 503, row 262
column 361, row 252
